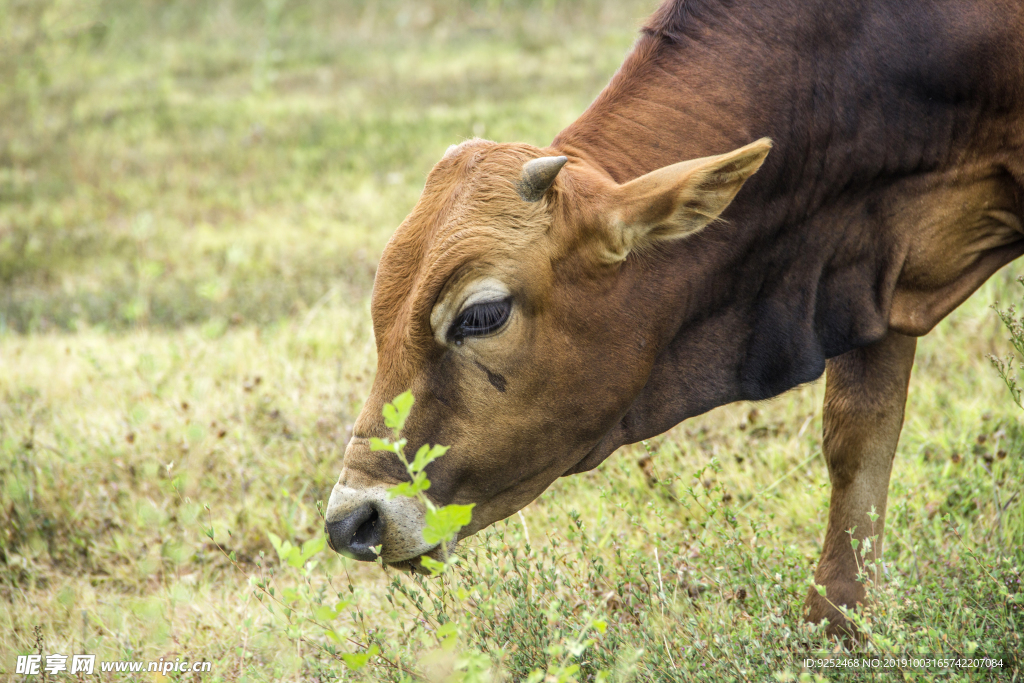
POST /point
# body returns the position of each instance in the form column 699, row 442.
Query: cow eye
column 480, row 319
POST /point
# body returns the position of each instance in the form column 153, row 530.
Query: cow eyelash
column 480, row 319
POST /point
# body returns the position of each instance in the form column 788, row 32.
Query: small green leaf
column 294, row 557
column 568, row 673
column 397, row 412
column 409, row 488
column 380, row 444
column 449, row 635
column 359, row 660
column 443, row 523
column 325, row 613
column 403, row 489
column 432, row 565
column 312, row 547
column 355, row 661
column 275, row 541
column 425, row 456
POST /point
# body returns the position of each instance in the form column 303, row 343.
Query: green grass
column 192, row 202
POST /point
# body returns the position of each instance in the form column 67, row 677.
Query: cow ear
column 678, row 200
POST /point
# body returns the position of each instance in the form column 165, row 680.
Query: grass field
column 193, row 197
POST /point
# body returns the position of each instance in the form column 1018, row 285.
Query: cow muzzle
column 362, row 521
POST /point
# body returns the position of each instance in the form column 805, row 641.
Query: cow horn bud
column 538, row 176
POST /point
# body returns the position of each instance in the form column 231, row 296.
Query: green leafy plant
column 453, row 628
column 441, row 523
column 1014, row 322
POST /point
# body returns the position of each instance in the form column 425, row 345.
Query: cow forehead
column 469, row 217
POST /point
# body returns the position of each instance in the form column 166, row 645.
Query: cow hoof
column 817, row 608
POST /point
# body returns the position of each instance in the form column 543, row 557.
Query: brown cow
column 547, row 306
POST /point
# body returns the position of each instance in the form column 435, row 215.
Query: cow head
column 504, row 304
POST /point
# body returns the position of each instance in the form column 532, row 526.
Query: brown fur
column 893, row 191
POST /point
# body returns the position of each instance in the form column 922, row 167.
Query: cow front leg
column 865, row 394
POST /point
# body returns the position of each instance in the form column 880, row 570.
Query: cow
column 764, row 192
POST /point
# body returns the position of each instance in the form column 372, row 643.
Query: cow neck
column 693, row 96
column 806, row 262
column 755, row 303
column 672, row 101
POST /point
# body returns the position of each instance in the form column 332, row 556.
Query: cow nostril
column 367, row 535
column 356, row 534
